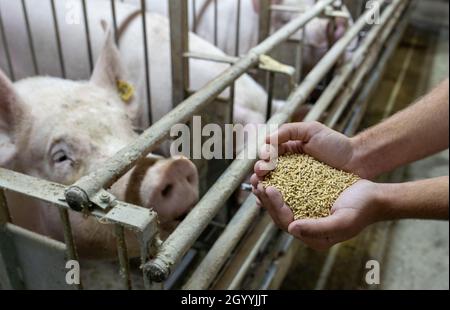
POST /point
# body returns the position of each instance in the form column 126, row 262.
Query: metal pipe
column 6, row 48
column 216, row 257
column 123, row 256
column 264, row 20
column 216, row 13
column 342, row 76
column 58, row 39
column 194, row 16
column 270, row 85
column 147, row 63
column 266, row 235
column 188, row 231
column 179, row 43
column 114, row 19
column 124, row 160
column 238, row 28
column 368, row 57
column 68, row 238
column 88, row 35
column 8, row 252
column 30, row 37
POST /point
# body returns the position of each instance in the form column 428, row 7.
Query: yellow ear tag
column 126, row 90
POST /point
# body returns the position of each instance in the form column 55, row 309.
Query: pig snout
column 170, row 187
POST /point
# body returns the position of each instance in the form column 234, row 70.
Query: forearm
column 425, row 199
column 410, row 135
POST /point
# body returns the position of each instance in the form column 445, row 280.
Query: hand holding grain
column 350, row 213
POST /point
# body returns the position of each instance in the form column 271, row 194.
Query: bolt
column 104, row 198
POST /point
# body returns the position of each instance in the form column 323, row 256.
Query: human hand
column 352, row 211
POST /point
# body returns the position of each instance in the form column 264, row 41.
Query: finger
column 295, row 131
column 267, row 204
column 317, row 244
column 260, row 171
column 284, row 213
column 328, row 227
column 254, row 180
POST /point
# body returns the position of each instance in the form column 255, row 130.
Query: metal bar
column 210, row 57
column 216, row 257
column 194, row 16
column 270, row 85
column 88, row 35
column 30, row 37
column 8, row 252
column 6, row 47
column 122, row 161
column 238, row 28
column 179, row 38
column 114, row 19
column 246, row 264
column 368, row 58
column 188, row 231
column 216, row 16
column 264, row 20
column 133, row 217
column 342, row 76
column 123, row 256
column 58, row 39
column 299, row 58
column 68, row 238
column 147, row 63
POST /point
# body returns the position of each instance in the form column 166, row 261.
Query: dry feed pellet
column 309, row 187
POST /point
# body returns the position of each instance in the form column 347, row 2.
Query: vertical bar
column 68, row 238
column 194, row 15
column 147, row 63
column 6, row 47
column 299, row 57
column 8, row 254
column 88, row 36
column 179, row 46
column 114, row 19
column 58, row 39
column 264, row 20
column 216, row 13
column 238, row 28
column 30, row 37
column 270, row 85
column 123, row 256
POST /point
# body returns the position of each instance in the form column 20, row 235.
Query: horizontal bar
column 188, row 231
column 131, row 216
column 123, row 160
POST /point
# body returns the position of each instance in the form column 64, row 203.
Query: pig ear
column 108, row 69
column 11, row 111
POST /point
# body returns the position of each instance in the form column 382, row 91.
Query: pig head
column 60, row 130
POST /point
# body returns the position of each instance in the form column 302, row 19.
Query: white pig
column 60, row 130
column 250, row 98
column 320, row 33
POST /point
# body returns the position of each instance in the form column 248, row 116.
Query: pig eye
column 60, row 157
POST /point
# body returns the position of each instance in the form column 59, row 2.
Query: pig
column 320, row 33
column 250, row 97
column 59, row 130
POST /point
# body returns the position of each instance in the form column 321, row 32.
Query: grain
column 309, row 187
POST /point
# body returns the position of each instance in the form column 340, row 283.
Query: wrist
column 357, row 163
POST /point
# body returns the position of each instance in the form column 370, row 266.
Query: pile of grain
column 308, row 186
